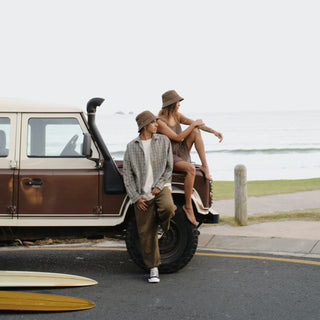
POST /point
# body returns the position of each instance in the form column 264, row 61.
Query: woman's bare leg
column 196, row 139
column 190, row 171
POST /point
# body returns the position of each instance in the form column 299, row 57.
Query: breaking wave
column 266, row 150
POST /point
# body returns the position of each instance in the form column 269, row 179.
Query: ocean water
column 272, row 145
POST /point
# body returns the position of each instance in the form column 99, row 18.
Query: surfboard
column 42, row 279
column 24, row 301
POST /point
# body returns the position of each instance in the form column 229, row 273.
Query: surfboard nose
column 42, row 279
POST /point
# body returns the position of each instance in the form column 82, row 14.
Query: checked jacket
column 134, row 171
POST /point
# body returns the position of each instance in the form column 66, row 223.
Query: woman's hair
column 170, row 111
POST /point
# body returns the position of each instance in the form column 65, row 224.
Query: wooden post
column 240, row 194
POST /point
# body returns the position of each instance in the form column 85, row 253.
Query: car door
column 55, row 179
column 7, row 164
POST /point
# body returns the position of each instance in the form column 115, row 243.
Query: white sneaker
column 154, row 275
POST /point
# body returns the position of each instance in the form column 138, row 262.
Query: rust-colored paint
column 66, row 192
column 73, row 192
column 6, row 190
column 111, row 203
column 200, row 184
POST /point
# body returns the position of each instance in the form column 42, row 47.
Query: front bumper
column 212, row 217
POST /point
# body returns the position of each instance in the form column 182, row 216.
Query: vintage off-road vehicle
column 56, row 173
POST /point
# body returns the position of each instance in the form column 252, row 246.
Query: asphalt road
column 212, row 286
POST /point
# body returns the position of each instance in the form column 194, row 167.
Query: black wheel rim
column 170, row 244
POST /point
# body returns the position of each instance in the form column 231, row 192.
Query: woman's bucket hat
column 170, row 97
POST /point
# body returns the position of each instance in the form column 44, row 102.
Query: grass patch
column 225, row 189
column 305, row 215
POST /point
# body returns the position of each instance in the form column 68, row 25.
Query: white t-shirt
column 146, row 145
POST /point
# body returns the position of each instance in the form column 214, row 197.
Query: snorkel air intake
column 91, row 109
column 113, row 181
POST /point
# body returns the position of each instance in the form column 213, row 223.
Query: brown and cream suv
column 56, row 171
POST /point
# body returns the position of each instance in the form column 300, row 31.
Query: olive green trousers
column 159, row 212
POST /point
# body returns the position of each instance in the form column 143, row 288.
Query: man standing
column 147, row 170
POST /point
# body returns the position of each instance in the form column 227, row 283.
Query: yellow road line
column 316, row 263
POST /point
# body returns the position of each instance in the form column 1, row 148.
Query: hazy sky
column 219, row 55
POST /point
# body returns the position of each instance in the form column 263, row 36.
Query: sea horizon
column 272, row 145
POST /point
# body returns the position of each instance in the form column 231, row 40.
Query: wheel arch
column 178, row 193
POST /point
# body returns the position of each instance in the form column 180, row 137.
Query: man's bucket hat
column 144, row 118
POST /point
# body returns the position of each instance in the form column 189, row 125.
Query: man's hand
column 141, row 204
column 155, row 191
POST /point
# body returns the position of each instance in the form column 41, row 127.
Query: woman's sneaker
column 154, row 275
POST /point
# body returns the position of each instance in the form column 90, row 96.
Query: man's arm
column 128, row 178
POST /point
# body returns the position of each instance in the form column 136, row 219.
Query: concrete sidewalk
column 297, row 238
column 300, row 238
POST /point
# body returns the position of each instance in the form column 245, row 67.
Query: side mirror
column 86, row 145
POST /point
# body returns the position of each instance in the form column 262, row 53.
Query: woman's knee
column 190, row 169
column 186, row 167
column 196, row 130
column 194, row 136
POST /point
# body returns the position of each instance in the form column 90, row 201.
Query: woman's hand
column 218, row 135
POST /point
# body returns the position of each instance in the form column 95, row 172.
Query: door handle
column 35, row 182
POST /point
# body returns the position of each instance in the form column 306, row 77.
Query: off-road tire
column 177, row 245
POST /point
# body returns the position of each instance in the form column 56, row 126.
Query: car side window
column 4, row 136
column 54, row 137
